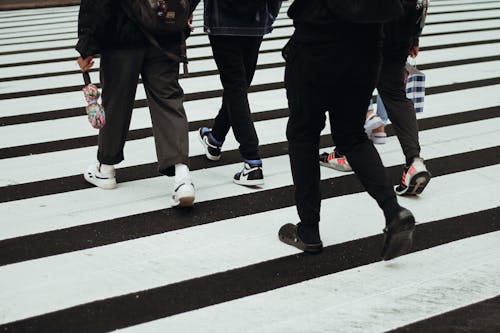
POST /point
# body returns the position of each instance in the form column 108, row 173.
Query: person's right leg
column 119, row 72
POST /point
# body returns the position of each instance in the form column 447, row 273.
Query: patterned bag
column 415, row 86
column 95, row 111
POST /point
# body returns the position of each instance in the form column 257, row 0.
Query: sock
column 308, row 233
column 214, row 141
column 181, row 172
column 106, row 169
column 254, row 162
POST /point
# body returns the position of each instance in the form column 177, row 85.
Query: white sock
column 107, row 169
column 181, row 172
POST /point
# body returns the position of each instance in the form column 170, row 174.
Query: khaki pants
column 120, row 71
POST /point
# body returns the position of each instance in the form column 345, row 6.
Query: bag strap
column 86, row 78
column 154, row 42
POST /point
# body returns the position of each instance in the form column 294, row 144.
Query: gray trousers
column 400, row 110
column 119, row 72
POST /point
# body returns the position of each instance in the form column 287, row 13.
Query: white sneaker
column 96, row 175
column 372, row 122
column 183, row 194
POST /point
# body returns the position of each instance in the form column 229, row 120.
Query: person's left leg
column 160, row 77
column 401, row 112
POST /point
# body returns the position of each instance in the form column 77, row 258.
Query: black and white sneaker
column 251, row 175
column 212, row 149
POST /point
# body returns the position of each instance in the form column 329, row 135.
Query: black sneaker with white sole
column 251, row 175
column 212, row 150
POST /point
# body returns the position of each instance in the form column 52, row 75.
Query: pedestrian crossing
column 74, row 258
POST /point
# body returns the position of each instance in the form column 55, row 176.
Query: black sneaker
column 415, row 178
column 398, row 235
column 288, row 235
column 251, row 175
column 212, row 150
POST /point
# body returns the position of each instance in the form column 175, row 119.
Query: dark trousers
column 236, row 58
column 400, row 109
column 119, row 72
column 337, row 78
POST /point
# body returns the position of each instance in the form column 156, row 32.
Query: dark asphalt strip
column 481, row 317
column 46, row 147
column 196, row 74
column 59, row 90
column 73, row 183
column 164, row 220
column 206, row 45
column 147, row 305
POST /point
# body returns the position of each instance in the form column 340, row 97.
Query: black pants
column 119, row 72
column 400, row 109
column 236, row 58
column 338, row 78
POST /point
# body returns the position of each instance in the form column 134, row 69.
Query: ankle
column 106, row 169
column 308, row 233
column 181, row 172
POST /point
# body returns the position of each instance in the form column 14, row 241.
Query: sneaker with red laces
column 415, row 178
column 334, row 161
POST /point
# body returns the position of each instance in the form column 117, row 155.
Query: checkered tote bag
column 415, row 86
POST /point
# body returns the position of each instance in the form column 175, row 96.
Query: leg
column 391, row 88
column 229, row 55
column 165, row 98
column 119, row 76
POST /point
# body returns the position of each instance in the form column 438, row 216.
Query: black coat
column 103, row 24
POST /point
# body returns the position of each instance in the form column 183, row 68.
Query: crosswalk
column 74, row 258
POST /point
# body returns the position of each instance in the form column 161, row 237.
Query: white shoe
column 183, row 194
column 96, row 175
column 372, row 121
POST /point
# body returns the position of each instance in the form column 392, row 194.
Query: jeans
column 236, row 58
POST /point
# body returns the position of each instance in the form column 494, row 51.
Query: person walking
column 401, row 40
column 106, row 28
column 332, row 64
column 235, row 29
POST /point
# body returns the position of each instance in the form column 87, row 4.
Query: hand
column 190, row 23
column 413, row 51
column 85, row 64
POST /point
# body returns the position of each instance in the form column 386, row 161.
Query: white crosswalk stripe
column 74, row 258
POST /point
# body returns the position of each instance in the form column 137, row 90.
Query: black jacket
column 103, row 24
column 315, row 22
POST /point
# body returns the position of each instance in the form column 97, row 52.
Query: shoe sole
column 185, row 202
column 106, row 186
column 328, row 165
column 255, row 182
column 417, row 184
column 311, row 248
column 401, row 241
column 207, row 154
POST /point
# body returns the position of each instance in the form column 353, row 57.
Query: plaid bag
column 415, row 86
